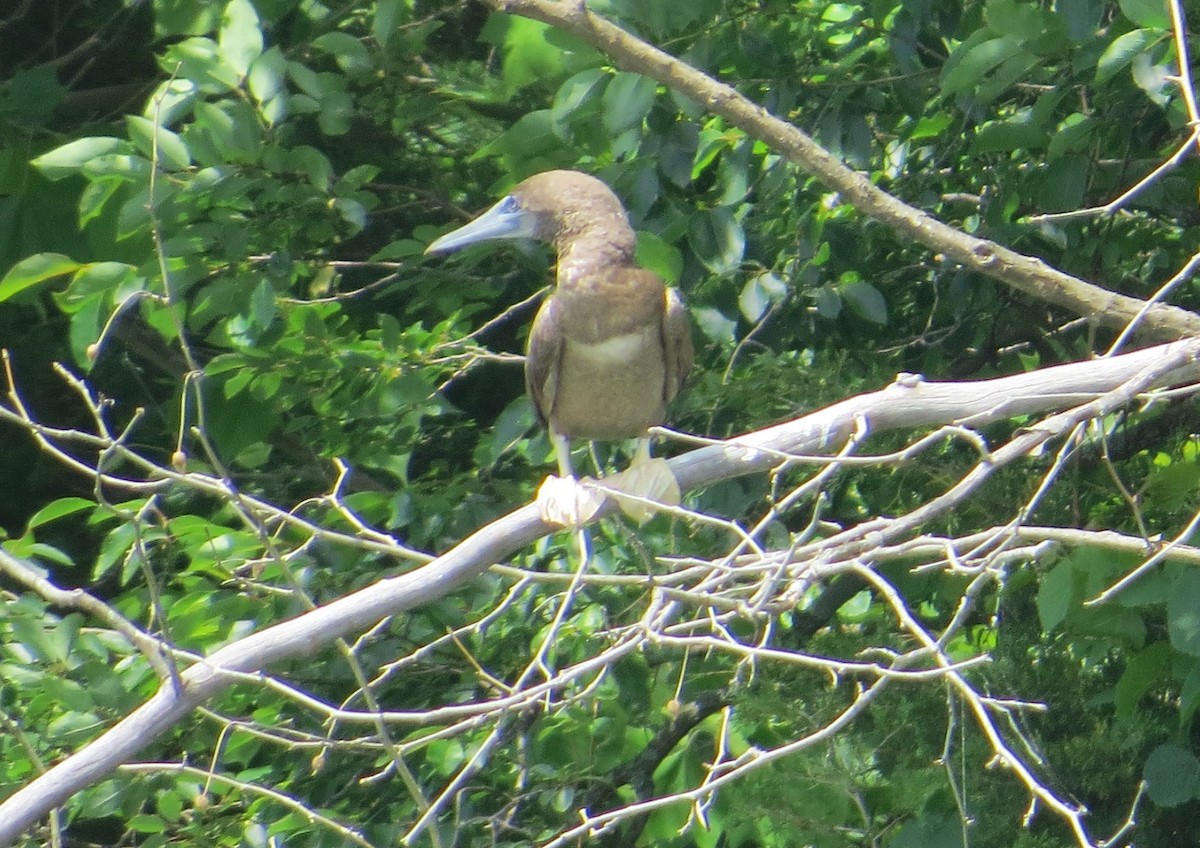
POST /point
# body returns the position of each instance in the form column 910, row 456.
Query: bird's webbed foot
column 649, row 482
column 568, row 502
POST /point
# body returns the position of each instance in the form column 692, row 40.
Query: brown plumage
column 611, row 346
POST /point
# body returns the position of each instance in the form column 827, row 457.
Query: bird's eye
column 509, row 205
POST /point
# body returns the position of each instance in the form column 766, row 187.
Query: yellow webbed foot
column 648, row 479
column 568, row 502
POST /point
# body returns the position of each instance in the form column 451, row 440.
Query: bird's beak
column 505, row 220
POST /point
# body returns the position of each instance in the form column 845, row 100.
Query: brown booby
column 609, row 348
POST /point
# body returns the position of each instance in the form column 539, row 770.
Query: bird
column 608, row 349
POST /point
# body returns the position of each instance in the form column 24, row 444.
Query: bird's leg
column 647, row 479
column 563, row 500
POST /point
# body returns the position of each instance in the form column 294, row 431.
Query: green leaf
column 1189, row 696
column 829, row 302
column 127, row 166
column 1142, row 671
column 182, row 18
column 970, row 70
column 352, row 212
column 115, row 279
column 658, row 256
column 313, row 164
column 399, row 249
column 678, row 152
column 1172, row 487
column 932, row 126
column 930, row 830
column 1154, row 78
column 1005, row 136
column 232, row 129
column 531, row 136
column 58, row 509
column 39, row 550
column 1172, row 775
column 144, row 823
column 169, row 805
column 388, row 13
column 172, row 152
column 336, row 111
column 116, row 544
column 262, row 305
column 1073, row 135
column 34, row 94
column 359, row 176
column 134, row 217
column 67, row 160
column 528, row 57
column 95, row 197
column 735, row 173
column 33, row 270
column 87, row 318
column 759, row 293
column 306, row 79
column 1063, row 184
column 1081, row 18
column 1006, row 74
column 1121, row 52
column 628, row 98
column 266, row 75
column 715, row 325
column 200, row 60
column 719, row 241
column 239, row 381
column 240, row 37
column 1031, row 25
column 349, row 53
column 1147, row 13
column 576, row 92
column 866, row 300
column 172, row 100
column 1056, row 595
column 511, row 426
column 1183, row 613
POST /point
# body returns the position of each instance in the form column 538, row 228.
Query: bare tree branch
column 1084, row 388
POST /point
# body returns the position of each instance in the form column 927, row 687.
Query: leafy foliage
column 227, row 259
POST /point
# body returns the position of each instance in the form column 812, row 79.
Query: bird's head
column 558, row 207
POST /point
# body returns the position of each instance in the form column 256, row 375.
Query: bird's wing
column 677, row 343
column 543, row 359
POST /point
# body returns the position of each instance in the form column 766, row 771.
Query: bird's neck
column 590, row 253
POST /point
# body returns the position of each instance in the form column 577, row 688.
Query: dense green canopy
column 235, row 390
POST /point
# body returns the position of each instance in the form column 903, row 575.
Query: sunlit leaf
column 158, row 141
column 1121, row 51
column 33, row 270
column 59, row 509
column 68, row 159
column 240, row 38
column 627, row 100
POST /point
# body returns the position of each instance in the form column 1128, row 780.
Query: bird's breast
column 611, row 388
